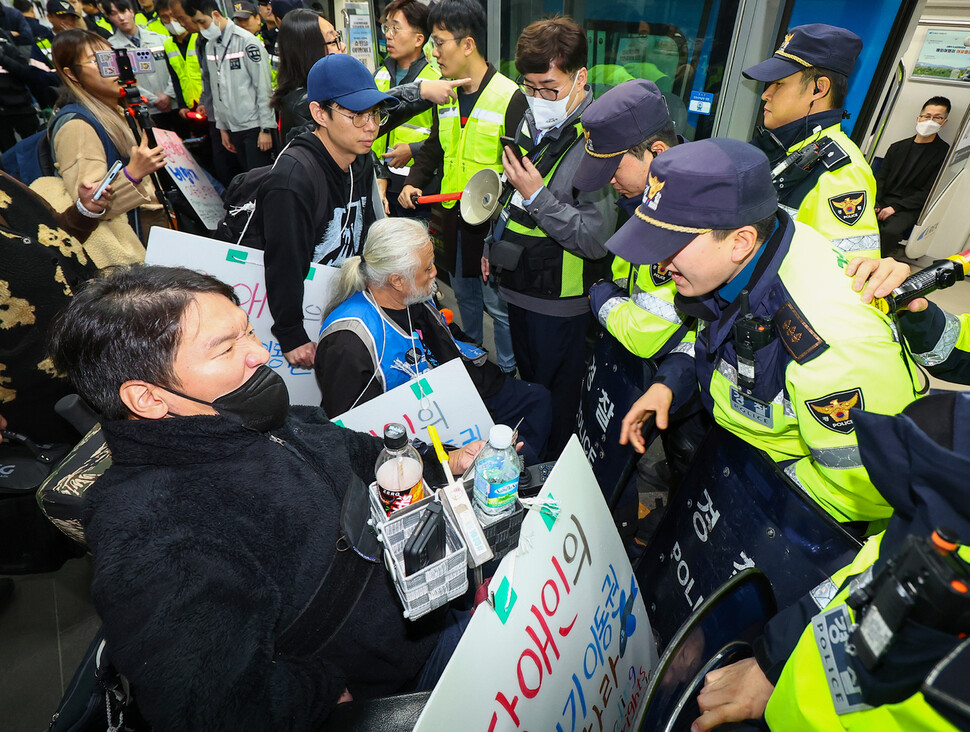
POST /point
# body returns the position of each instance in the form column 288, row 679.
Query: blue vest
column 397, row 356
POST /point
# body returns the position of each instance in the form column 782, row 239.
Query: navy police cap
column 815, row 44
column 60, row 7
column 622, row 118
column 693, row 188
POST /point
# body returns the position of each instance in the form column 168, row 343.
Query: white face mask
column 174, row 28
column 212, row 33
column 927, row 128
column 549, row 114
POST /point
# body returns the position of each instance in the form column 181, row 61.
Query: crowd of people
column 232, row 606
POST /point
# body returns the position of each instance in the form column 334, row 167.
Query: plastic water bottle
column 399, row 470
column 497, row 473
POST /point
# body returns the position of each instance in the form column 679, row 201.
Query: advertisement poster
column 945, row 55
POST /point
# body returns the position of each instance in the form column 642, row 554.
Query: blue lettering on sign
column 700, row 102
column 182, row 174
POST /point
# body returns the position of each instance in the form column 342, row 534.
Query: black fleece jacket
column 309, row 215
column 208, row 541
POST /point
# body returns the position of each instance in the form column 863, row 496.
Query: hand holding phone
column 107, row 180
column 510, row 143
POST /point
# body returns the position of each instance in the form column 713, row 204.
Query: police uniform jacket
column 838, row 197
column 939, row 341
column 827, row 353
column 158, row 81
column 238, row 72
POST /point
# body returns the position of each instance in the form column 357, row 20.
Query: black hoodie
column 309, row 215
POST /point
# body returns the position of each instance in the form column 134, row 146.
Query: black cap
column 243, row 9
column 691, row 189
column 60, row 7
column 622, row 118
column 395, row 436
column 815, row 44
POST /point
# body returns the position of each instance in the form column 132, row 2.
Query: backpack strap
column 76, row 111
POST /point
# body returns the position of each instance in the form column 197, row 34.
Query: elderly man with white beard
column 382, row 329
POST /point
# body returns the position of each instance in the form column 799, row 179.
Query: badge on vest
column 659, row 275
column 235, row 63
column 253, row 53
column 831, row 629
column 848, row 207
column 753, row 409
column 832, row 411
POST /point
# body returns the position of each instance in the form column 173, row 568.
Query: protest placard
column 190, row 179
column 565, row 643
column 444, row 397
column 242, row 268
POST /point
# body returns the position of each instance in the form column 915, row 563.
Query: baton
column 436, row 198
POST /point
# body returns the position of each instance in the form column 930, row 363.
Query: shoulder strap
column 76, row 111
column 805, row 166
column 797, row 335
column 306, row 158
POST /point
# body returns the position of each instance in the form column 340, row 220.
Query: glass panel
column 681, row 45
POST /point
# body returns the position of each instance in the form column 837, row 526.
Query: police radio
column 941, row 274
column 925, row 582
column 751, row 333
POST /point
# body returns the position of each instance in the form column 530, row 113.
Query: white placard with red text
column 550, row 654
column 444, row 397
column 190, row 179
column 242, row 268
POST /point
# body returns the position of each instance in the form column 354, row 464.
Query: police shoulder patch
column 832, row 411
column 659, row 275
column 848, row 207
column 254, row 53
column 797, row 334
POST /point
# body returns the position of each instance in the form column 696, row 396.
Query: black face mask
column 260, row 404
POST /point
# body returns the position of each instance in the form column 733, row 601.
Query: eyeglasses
column 392, row 30
column 934, row 117
column 437, row 43
column 336, row 41
column 378, row 116
column 549, row 95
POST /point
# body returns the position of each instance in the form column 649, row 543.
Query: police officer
column 813, row 670
column 807, row 80
column 95, row 20
column 406, row 29
column 246, row 16
column 239, row 74
column 148, row 18
column 625, row 130
column 185, row 63
column 785, row 349
column 62, row 16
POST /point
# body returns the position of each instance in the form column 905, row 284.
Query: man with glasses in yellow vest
column 464, row 140
column 185, row 63
column 406, row 29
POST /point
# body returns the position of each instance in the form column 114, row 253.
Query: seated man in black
column 904, row 179
column 382, row 329
column 216, row 532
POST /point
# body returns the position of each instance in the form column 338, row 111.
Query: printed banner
column 190, row 179
column 945, row 55
column 242, row 268
column 444, row 397
column 565, row 638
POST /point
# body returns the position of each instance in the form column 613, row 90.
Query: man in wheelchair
column 232, row 583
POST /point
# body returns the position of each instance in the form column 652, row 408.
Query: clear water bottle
column 399, row 470
column 497, row 473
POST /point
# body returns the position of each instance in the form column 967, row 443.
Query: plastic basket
column 437, row 583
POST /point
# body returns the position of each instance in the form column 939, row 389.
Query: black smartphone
column 511, row 144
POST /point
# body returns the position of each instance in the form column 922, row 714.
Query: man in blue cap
column 316, row 204
column 785, row 349
column 817, row 170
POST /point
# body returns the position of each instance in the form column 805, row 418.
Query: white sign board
column 567, row 645
column 444, row 397
column 242, row 268
column 190, row 179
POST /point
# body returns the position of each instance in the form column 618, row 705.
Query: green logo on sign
column 236, row 256
column 504, row 600
column 422, row 389
column 549, row 513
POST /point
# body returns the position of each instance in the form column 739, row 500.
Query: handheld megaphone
column 939, row 275
column 479, row 199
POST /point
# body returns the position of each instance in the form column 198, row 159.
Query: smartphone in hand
column 510, row 143
column 108, row 178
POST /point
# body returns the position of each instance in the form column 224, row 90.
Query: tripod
column 136, row 113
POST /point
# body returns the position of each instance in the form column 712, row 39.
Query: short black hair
column 666, row 134
column 123, row 326
column 840, row 83
column 558, row 40
column 23, row 6
column 161, row 5
column 461, row 18
column 415, row 13
column 763, row 227
column 191, row 7
column 121, row 5
column 937, row 102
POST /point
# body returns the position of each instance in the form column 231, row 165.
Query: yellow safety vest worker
column 415, row 129
column 187, row 69
column 475, row 146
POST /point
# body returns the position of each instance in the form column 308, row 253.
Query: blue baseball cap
column 346, row 81
column 815, row 44
column 693, row 188
column 622, row 118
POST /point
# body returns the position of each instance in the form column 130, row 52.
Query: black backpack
column 238, row 225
